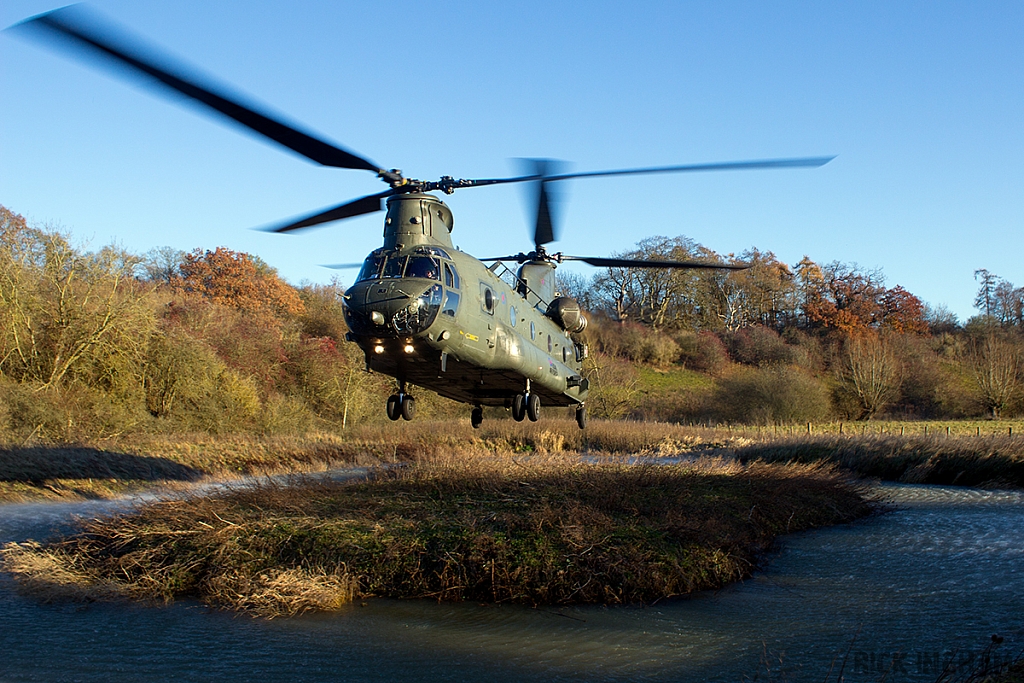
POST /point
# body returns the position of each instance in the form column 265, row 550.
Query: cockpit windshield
column 371, row 268
column 382, row 266
column 394, row 266
column 423, row 266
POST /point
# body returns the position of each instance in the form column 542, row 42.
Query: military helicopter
column 421, row 310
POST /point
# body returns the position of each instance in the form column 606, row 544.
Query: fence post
column 901, row 430
column 926, row 430
column 808, row 427
column 840, row 429
column 947, row 430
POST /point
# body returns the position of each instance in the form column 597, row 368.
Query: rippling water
column 906, row 592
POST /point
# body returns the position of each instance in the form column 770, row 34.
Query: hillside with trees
column 96, row 344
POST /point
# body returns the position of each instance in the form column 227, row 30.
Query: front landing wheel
column 476, row 417
column 519, row 407
column 393, row 407
column 408, row 407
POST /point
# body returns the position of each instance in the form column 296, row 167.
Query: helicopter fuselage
column 433, row 316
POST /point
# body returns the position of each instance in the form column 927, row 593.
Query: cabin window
column 565, row 355
column 533, row 330
column 549, row 343
column 394, row 266
column 512, row 315
column 451, row 303
column 371, row 268
column 451, row 277
column 487, row 299
column 424, row 267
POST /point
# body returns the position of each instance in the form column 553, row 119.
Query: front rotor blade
column 341, row 266
column 87, row 32
column 357, row 207
column 650, row 263
column 805, row 162
column 802, row 162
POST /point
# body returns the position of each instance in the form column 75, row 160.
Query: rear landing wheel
column 581, row 416
column 393, row 407
column 519, row 407
column 476, row 417
column 533, row 407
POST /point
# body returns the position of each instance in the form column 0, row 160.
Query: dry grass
column 532, row 529
column 113, row 467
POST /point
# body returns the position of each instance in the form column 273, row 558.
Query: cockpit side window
column 393, row 268
column 371, row 268
column 451, row 278
column 423, row 266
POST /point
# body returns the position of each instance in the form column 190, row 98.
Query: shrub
column 772, row 395
column 702, row 351
column 759, row 345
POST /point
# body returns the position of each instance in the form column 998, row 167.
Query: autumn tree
column 65, row 312
column 840, row 296
column 236, row 280
column 902, row 312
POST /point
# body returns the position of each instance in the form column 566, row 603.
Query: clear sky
column 922, row 102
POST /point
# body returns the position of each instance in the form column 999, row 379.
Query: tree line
column 95, row 344
column 811, row 341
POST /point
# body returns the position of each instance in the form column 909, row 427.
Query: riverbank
column 534, row 530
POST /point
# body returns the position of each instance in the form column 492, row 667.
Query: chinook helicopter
column 421, row 310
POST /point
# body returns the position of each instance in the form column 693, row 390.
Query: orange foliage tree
column 902, row 311
column 233, row 279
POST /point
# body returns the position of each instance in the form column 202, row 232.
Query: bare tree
column 872, row 370
column 995, row 365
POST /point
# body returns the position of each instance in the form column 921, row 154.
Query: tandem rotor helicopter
column 422, row 311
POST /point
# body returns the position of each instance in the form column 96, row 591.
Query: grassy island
column 533, row 529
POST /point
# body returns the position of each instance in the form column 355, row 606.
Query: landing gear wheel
column 408, row 406
column 519, row 407
column 533, row 407
column 476, row 417
column 581, row 416
column 393, row 407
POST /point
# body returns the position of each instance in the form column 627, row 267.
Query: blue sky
column 922, row 102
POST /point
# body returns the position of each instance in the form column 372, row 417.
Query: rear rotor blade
column 357, row 207
column 87, row 32
column 650, row 263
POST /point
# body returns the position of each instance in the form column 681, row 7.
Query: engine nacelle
column 567, row 313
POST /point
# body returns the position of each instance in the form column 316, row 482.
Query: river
column 904, row 592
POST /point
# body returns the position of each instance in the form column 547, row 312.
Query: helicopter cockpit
column 408, row 312
column 424, row 262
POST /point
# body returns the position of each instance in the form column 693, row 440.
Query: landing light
column 409, row 348
column 378, row 318
column 379, row 348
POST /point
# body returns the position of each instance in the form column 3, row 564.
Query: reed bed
column 988, row 462
column 529, row 528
